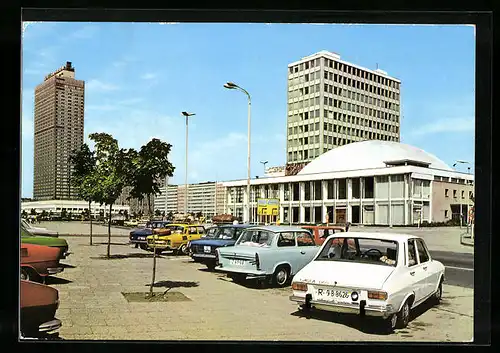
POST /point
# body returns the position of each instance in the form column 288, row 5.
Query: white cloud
column 100, row 86
column 168, row 23
column 85, row 32
column 445, row 126
column 148, row 76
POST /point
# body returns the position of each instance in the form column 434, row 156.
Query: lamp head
column 188, row 114
column 230, row 85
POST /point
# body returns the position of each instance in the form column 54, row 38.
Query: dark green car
column 62, row 244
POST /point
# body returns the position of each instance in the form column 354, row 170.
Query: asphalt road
column 459, row 267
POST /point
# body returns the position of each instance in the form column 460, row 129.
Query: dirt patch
column 143, row 297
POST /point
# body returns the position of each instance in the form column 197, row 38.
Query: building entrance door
column 355, row 214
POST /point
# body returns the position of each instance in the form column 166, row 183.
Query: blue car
column 138, row 236
column 204, row 250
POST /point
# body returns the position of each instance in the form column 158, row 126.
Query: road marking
column 460, row 268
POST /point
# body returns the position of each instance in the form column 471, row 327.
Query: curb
column 470, row 242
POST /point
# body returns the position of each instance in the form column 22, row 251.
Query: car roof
column 236, row 226
column 376, row 235
column 278, row 229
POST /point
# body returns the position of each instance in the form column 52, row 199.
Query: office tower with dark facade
column 58, row 128
column 332, row 103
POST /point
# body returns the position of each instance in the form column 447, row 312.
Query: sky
column 139, row 77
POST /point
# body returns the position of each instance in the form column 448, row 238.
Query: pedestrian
column 347, row 225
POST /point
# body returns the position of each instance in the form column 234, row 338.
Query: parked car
column 383, row 275
column 39, row 230
column 59, row 243
column 269, row 253
column 203, row 250
column 138, row 236
column 131, row 223
column 210, row 232
column 39, row 304
column 177, row 241
column 39, row 261
column 320, row 233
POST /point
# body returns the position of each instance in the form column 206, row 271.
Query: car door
column 306, row 248
column 286, row 250
column 417, row 276
column 424, row 260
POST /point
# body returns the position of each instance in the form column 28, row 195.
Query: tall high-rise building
column 59, row 115
column 332, row 103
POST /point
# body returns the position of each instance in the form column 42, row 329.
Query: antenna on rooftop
column 377, row 66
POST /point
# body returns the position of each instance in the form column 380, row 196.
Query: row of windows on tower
column 348, row 69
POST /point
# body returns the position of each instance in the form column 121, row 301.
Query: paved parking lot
column 93, row 308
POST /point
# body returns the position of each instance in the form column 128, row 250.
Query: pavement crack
column 454, row 312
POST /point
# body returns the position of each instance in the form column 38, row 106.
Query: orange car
column 39, row 261
column 39, row 304
column 322, row 232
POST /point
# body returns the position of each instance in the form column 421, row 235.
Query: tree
column 144, row 171
column 70, row 215
column 199, row 215
column 110, row 174
column 33, row 212
column 125, row 213
column 24, row 214
column 44, row 214
column 170, row 216
column 157, row 213
column 63, row 214
column 83, row 175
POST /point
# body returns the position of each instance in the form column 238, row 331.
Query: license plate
column 207, row 249
column 335, row 295
column 237, row 262
column 142, row 238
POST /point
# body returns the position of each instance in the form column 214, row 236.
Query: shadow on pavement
column 44, row 337
column 126, row 256
column 174, row 284
column 105, row 243
column 368, row 325
column 56, row 280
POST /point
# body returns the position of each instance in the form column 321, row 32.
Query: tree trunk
column 149, row 206
column 90, row 216
column 109, row 231
column 154, row 268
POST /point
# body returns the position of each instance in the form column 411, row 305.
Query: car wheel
column 211, row 266
column 402, row 317
column 143, row 246
column 237, row 277
column 281, row 276
column 183, row 249
column 438, row 294
column 158, row 251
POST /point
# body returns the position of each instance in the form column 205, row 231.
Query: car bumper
column 132, row 242
column 160, row 247
column 54, row 270
column 243, row 272
column 202, row 257
column 357, row 309
column 50, row 326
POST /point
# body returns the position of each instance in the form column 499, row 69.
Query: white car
column 39, row 230
column 373, row 274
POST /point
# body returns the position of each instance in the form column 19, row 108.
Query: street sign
column 268, row 207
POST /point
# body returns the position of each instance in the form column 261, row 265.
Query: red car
column 39, row 261
column 39, row 304
column 320, row 233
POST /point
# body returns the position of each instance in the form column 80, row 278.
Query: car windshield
column 211, row 232
column 228, row 233
column 260, row 238
column 176, row 229
column 360, row 250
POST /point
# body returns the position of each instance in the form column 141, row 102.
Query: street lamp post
column 264, row 163
column 461, row 215
column 231, row 85
column 187, row 115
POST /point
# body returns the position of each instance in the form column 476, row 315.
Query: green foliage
column 24, row 214
column 157, row 213
column 145, row 168
column 33, row 212
column 83, row 175
column 170, row 216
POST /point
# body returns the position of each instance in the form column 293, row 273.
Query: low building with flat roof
column 369, row 182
